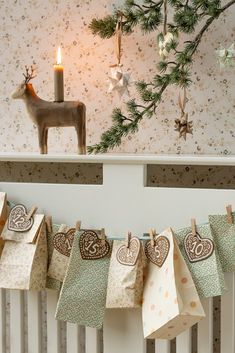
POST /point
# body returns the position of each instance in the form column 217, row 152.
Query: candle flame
column 59, row 59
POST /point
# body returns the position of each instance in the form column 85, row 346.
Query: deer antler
column 29, row 75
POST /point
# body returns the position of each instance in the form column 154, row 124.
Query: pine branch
column 174, row 72
column 147, row 16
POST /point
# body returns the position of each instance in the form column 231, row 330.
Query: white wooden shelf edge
column 122, row 159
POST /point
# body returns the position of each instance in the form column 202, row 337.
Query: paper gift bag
column 3, row 216
column 23, row 264
column 62, row 243
column 223, row 231
column 170, row 301
column 52, row 229
column 201, row 256
column 125, row 279
column 3, row 210
column 83, row 293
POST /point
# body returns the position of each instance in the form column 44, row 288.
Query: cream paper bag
column 62, row 243
column 125, row 279
column 3, row 216
column 23, row 264
column 170, row 301
column 52, row 229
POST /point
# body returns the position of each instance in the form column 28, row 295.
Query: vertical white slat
column 73, row 338
column 53, row 325
column 205, row 328
column 184, row 342
column 34, row 322
column 123, row 331
column 2, row 320
column 228, row 316
column 92, row 340
column 162, row 346
column 17, row 321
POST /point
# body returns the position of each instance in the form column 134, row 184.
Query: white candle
column 59, row 78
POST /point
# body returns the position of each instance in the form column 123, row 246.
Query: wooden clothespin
column 102, row 235
column 229, row 214
column 48, row 221
column 128, row 239
column 31, row 213
column 78, row 225
column 152, row 233
column 193, row 226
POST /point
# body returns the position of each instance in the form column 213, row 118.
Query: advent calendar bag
column 223, row 230
column 200, row 253
column 23, row 264
column 62, row 244
column 52, row 229
column 83, row 293
column 125, row 279
column 3, row 216
column 170, row 301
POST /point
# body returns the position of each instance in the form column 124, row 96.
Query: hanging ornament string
column 119, row 39
column 182, row 125
column 165, row 18
column 118, row 81
column 182, row 102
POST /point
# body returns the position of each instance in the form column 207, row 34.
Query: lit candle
column 59, row 78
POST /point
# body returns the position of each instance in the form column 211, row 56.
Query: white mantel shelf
column 122, row 159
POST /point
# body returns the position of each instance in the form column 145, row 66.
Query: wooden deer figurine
column 52, row 114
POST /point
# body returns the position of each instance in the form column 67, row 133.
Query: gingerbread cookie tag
column 63, row 242
column 92, row 246
column 157, row 249
column 19, row 219
column 128, row 254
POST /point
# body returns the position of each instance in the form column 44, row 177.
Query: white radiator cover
column 122, row 203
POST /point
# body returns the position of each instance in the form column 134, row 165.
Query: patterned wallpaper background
column 31, row 30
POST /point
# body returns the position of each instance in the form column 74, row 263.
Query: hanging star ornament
column 118, row 81
column 183, row 126
column 226, row 57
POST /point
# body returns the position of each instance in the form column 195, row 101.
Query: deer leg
column 81, row 133
column 84, row 131
column 41, row 138
column 81, row 141
column 45, row 140
column 78, row 137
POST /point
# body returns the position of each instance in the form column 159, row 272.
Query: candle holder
column 47, row 114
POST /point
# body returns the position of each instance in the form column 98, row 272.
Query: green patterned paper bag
column 83, row 294
column 201, row 256
column 52, row 283
column 224, row 235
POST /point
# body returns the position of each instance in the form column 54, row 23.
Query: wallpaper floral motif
column 31, row 30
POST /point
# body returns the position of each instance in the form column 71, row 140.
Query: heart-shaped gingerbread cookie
column 198, row 248
column 157, row 254
column 129, row 255
column 63, row 242
column 92, row 247
column 17, row 220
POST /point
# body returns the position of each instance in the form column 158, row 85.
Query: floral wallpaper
column 31, row 30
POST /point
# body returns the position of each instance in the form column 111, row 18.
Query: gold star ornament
column 183, row 126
